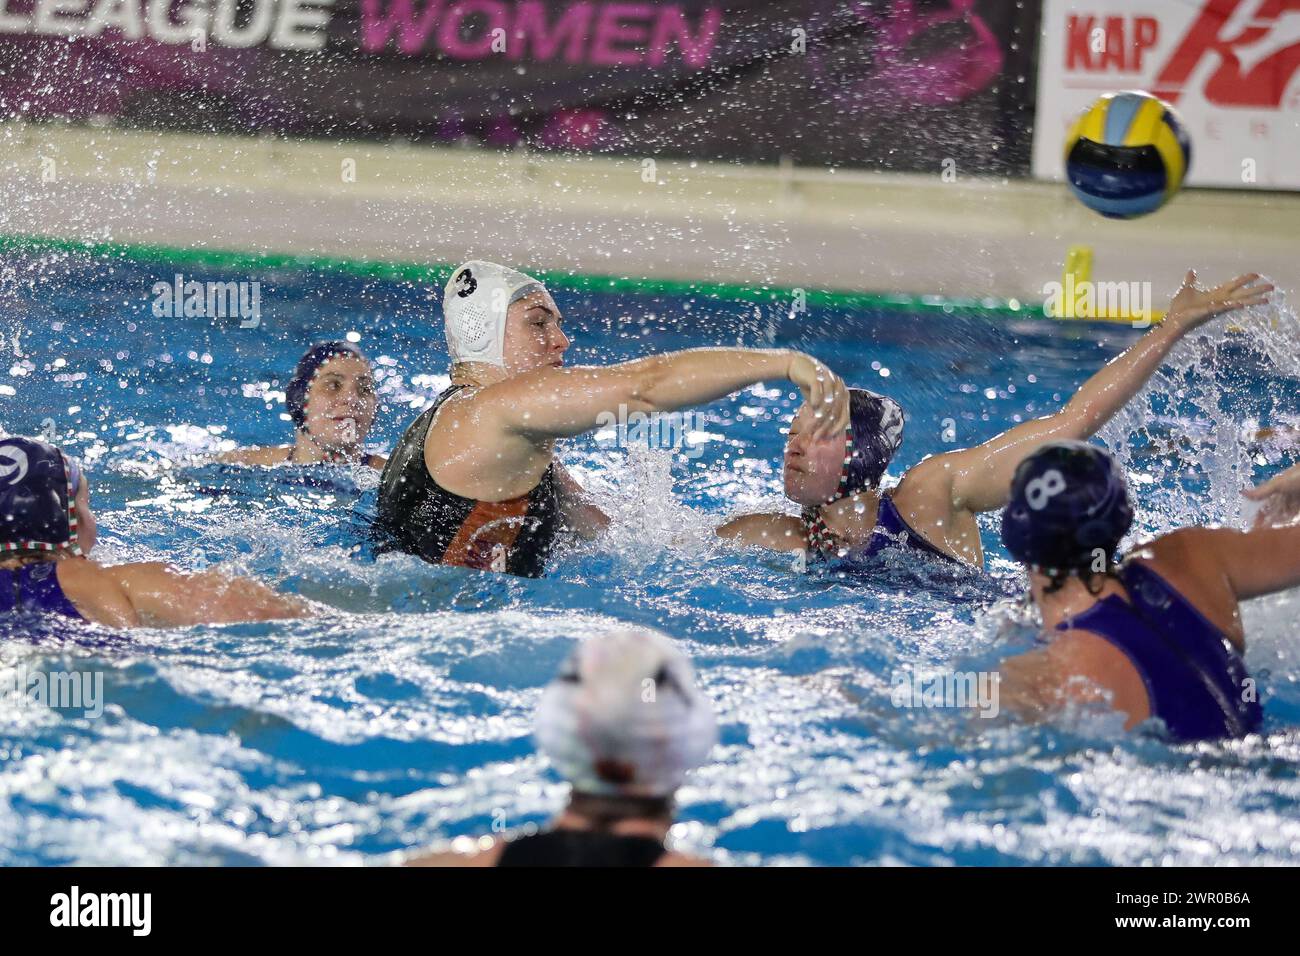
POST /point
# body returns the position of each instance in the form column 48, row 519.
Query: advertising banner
column 1231, row 68
column 890, row 84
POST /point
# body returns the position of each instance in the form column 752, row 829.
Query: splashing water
column 1200, row 415
column 404, row 719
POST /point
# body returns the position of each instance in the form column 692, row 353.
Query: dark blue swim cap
column 1068, row 501
column 295, row 393
column 37, row 497
column 875, row 434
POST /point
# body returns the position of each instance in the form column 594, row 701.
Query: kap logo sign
column 1232, row 67
column 1255, row 57
column 1097, row 44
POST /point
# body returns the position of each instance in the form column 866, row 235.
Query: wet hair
column 1093, row 580
column 1069, row 506
column 295, row 393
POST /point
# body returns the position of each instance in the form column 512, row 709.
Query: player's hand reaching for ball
column 1193, row 306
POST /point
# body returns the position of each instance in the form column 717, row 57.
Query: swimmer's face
column 341, row 402
column 87, row 530
column 812, row 467
column 534, row 338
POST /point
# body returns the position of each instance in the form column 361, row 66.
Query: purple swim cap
column 875, row 434
column 38, row 490
column 295, row 393
column 1068, row 502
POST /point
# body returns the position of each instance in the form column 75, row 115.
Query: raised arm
column 563, row 402
column 981, row 476
column 775, row 531
column 1256, row 562
column 165, row 596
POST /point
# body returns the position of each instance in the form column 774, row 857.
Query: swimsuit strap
column 35, row 587
column 581, row 848
column 1155, row 601
column 1191, row 672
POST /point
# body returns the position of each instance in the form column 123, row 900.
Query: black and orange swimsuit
column 420, row 517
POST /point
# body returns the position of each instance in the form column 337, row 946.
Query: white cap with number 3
column 474, row 306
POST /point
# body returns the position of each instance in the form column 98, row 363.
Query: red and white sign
column 1230, row 67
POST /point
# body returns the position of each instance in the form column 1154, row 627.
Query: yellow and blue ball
column 1127, row 154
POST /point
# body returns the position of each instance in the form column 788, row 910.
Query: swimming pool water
column 404, row 719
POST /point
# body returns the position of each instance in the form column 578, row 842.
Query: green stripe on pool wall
column 436, row 274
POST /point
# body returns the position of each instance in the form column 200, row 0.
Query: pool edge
column 437, row 273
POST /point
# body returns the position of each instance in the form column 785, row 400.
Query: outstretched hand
column 1280, row 495
column 1287, row 482
column 823, row 391
column 1194, row 306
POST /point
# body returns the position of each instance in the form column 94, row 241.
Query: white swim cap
column 624, row 717
column 474, row 306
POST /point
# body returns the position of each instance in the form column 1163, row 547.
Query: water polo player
column 623, row 723
column 474, row 483
column 47, row 531
column 1157, row 634
column 332, row 402
column 932, row 510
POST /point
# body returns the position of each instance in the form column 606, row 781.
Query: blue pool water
column 404, row 719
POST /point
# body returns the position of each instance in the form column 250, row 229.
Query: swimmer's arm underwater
column 565, row 402
column 581, row 514
column 269, row 455
column 773, row 531
column 981, row 477
column 165, row 596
